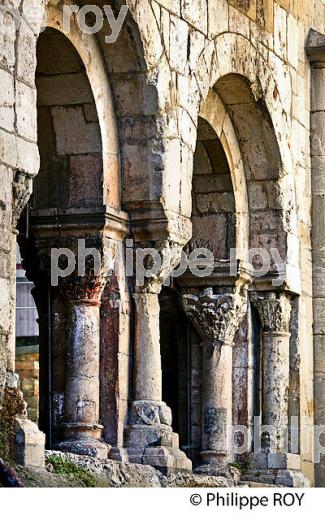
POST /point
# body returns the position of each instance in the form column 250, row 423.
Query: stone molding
column 315, row 47
column 150, row 413
column 21, row 191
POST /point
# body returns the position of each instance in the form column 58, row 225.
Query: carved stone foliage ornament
column 216, row 317
column 157, row 273
column 150, row 414
column 21, row 191
column 91, row 269
column 274, row 310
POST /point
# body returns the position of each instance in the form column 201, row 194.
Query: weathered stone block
column 284, row 461
column 63, row 89
column 68, row 141
column 195, row 13
column 26, row 111
column 178, row 44
column 26, row 56
column 85, row 181
column 30, row 443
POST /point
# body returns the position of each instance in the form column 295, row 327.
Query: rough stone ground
column 65, row 470
column 69, row 470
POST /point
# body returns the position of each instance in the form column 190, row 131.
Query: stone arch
column 261, row 161
column 72, row 172
column 265, row 85
column 89, row 50
column 91, row 56
column 214, row 218
column 130, row 62
column 213, row 111
column 92, row 214
column 231, row 53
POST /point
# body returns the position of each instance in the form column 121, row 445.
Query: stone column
column 217, row 315
column 149, row 437
column 82, row 431
column 316, row 50
column 147, row 362
column 275, row 311
column 272, row 457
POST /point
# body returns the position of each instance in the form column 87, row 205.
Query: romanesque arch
column 76, row 197
column 175, row 74
column 236, row 66
column 261, row 191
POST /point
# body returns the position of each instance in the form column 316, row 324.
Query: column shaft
column 276, row 384
column 147, row 369
column 216, row 317
column 216, row 403
column 150, row 438
column 82, row 371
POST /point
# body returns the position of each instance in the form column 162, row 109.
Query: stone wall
column 213, row 205
column 27, row 367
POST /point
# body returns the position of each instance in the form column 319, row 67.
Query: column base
column 214, row 469
column 84, row 439
column 279, row 469
column 88, row 447
column 163, row 458
column 150, row 439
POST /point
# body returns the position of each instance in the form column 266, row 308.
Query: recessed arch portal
column 69, row 135
column 261, row 167
column 76, row 189
column 217, row 225
column 214, row 113
column 213, row 201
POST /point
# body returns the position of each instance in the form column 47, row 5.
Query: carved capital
column 79, row 267
column 216, row 317
column 21, row 191
column 155, row 263
column 274, row 310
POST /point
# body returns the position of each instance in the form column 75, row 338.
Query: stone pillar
column 216, row 314
column 21, row 440
column 272, row 459
column 149, row 437
column 274, row 311
column 82, row 431
column 316, row 50
column 217, row 403
column 147, row 362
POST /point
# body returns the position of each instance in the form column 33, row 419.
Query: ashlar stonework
column 201, row 126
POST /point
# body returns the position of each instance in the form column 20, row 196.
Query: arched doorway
column 214, row 228
column 64, row 208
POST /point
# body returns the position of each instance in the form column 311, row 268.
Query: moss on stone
column 63, row 466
